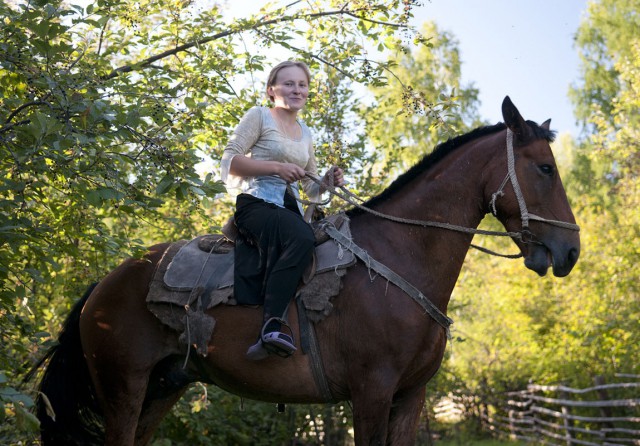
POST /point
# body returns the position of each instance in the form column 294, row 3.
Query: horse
column 117, row 370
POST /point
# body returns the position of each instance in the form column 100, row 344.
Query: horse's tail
column 66, row 404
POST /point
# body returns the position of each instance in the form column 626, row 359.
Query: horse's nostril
column 573, row 256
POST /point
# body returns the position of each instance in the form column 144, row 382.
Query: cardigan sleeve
column 311, row 188
column 245, row 135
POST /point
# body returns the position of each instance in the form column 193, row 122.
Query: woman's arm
column 247, row 167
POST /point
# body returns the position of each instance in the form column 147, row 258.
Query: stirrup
column 277, row 342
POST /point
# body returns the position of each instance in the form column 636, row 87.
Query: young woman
column 269, row 152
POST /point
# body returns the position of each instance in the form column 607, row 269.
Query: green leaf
column 26, row 421
column 94, row 198
column 108, row 193
column 196, row 190
column 190, row 102
column 165, row 184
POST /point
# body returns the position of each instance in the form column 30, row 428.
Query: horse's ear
column 513, row 119
column 546, row 124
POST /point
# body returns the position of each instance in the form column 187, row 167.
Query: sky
column 521, row 48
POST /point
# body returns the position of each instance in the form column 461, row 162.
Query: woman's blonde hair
column 271, row 80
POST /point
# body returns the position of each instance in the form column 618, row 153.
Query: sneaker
column 257, row 351
column 275, row 342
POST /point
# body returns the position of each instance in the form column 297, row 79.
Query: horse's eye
column 546, row 169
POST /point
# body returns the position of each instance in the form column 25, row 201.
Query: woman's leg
column 285, row 243
column 288, row 257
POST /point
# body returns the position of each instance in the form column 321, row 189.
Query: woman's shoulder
column 257, row 110
column 256, row 116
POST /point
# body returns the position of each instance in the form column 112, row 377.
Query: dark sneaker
column 257, row 351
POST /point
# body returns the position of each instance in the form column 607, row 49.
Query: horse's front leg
column 370, row 421
column 405, row 415
column 371, row 397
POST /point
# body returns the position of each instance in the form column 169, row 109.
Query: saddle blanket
column 202, row 270
column 207, row 261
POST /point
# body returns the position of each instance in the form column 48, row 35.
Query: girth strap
column 309, row 344
column 392, row 277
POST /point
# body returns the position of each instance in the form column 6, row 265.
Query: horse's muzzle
column 562, row 257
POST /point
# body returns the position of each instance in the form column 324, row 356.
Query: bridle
column 525, row 215
column 524, row 235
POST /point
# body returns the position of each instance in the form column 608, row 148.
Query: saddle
column 198, row 274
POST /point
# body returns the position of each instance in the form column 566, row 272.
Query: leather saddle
column 204, row 265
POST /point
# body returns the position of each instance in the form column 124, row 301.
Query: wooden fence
column 607, row 414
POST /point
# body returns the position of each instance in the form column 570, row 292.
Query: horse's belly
column 275, row 379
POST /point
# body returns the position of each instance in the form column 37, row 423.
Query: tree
column 422, row 104
column 511, row 327
column 106, row 113
column 605, row 37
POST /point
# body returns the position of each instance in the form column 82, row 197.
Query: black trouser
column 273, row 250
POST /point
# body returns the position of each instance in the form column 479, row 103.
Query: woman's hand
column 247, row 167
column 334, row 177
column 290, row 172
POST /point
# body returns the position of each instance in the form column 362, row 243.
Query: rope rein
column 396, row 279
column 525, row 216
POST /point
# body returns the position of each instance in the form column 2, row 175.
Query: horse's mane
column 441, row 151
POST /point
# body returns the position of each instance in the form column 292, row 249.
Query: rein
column 397, row 280
column 524, row 235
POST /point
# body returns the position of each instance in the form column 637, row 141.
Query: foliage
column 197, row 419
column 111, row 115
column 401, row 123
column 512, row 328
column 605, row 37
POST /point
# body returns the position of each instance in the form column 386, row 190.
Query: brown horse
column 118, row 365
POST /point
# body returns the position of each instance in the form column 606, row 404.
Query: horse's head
column 534, row 201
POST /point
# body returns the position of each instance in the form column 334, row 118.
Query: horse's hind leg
column 123, row 341
column 122, row 404
column 405, row 414
column 167, row 384
column 152, row 415
column 135, row 404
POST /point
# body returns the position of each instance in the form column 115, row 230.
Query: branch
column 186, row 46
column 377, row 22
column 7, row 127
column 28, row 104
column 312, row 56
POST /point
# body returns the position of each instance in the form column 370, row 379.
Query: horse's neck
column 450, row 192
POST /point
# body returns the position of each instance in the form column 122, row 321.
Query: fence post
column 603, row 395
column 568, row 424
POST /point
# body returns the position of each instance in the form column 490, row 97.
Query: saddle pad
column 192, row 267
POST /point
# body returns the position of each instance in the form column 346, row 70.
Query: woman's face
column 290, row 89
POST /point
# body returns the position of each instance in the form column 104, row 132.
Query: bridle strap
column 511, row 172
column 525, row 216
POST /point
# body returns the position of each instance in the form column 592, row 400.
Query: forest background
column 107, row 111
